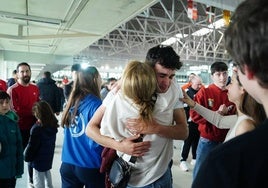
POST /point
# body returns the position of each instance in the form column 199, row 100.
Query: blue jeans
column 164, row 182
column 203, row 149
column 76, row 177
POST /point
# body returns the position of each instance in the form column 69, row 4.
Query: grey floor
column 181, row 179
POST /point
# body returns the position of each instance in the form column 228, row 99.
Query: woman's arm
column 222, row 122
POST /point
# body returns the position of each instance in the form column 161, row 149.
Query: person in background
column 81, row 156
column 192, row 141
column 188, row 84
column 23, row 95
column 242, row 161
column 61, row 93
column 49, row 92
column 13, row 79
column 108, row 86
column 67, row 88
column 211, row 97
column 246, row 118
column 165, row 61
column 39, row 151
column 3, row 85
column 11, row 152
column 65, row 80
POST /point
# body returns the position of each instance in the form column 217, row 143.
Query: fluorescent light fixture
column 179, row 35
column 215, row 25
column 11, row 15
column 84, row 65
column 169, row 41
column 202, row 32
column 172, row 40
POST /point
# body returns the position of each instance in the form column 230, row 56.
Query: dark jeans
column 203, row 149
column 8, row 183
column 76, row 177
column 25, row 135
column 191, row 141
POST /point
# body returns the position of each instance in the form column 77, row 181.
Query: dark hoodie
column 50, row 93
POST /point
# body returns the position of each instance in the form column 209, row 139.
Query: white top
column 232, row 132
column 222, row 122
column 154, row 163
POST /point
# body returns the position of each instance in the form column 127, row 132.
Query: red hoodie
column 211, row 97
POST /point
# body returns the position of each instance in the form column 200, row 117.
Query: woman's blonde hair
column 139, row 84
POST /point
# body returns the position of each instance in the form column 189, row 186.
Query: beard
column 26, row 79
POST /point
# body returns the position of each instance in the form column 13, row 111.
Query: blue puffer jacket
column 11, row 154
column 40, row 149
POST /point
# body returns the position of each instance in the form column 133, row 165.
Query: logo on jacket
column 210, row 102
column 78, row 128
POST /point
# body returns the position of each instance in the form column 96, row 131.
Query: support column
column 3, row 68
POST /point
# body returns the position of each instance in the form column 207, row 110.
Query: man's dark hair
column 23, row 64
column 14, row 71
column 47, row 74
column 246, row 38
column 111, row 79
column 75, row 67
column 218, row 66
column 165, row 56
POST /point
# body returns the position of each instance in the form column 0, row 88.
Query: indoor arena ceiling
column 57, row 33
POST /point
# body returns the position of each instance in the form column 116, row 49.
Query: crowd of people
column 223, row 124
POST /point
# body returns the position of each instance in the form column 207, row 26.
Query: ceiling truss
column 157, row 24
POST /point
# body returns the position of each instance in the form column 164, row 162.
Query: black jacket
column 50, row 93
column 40, row 149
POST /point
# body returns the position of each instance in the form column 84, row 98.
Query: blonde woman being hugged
column 136, row 100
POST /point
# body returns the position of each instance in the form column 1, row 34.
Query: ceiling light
column 10, row 15
column 215, row 25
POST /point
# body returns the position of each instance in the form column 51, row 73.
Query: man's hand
column 136, row 126
column 130, row 147
column 186, row 99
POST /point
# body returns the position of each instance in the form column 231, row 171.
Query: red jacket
column 211, row 97
column 22, row 100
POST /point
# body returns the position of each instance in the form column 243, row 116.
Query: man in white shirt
column 171, row 120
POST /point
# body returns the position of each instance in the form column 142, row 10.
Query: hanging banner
column 226, row 17
column 192, row 10
column 210, row 11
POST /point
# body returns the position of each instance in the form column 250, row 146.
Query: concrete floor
column 181, row 179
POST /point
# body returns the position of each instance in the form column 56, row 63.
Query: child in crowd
column 40, row 149
column 11, row 152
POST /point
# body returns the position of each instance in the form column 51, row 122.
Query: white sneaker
column 183, row 166
column 30, row 185
column 193, row 161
